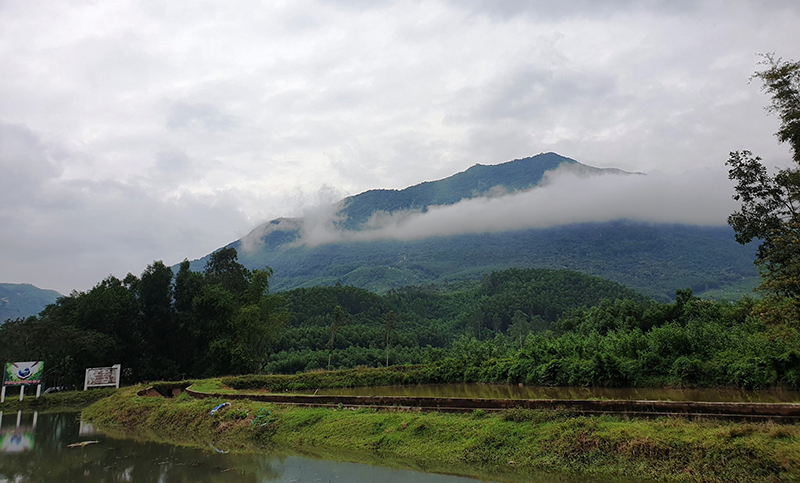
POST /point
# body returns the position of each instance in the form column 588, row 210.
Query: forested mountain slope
column 22, row 299
column 653, row 258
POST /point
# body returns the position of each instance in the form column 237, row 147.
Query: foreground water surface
column 36, row 448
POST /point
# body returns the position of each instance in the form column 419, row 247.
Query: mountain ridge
column 653, row 258
column 20, row 300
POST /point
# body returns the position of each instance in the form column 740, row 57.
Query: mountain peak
column 478, row 180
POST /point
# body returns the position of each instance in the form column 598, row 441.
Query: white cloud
column 565, row 196
column 213, row 116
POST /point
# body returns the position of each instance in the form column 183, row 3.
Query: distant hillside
column 655, row 259
column 23, row 299
column 479, row 180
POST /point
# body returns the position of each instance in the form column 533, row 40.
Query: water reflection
column 19, row 437
column 46, row 456
column 508, row 391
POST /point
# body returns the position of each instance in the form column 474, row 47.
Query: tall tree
column 338, row 321
column 388, row 325
column 223, row 268
column 159, row 324
column 771, row 203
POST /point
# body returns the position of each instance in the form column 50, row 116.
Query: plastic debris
column 217, row 449
column 81, row 444
column 214, row 411
column 262, row 419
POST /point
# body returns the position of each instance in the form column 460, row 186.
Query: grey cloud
column 172, row 162
column 205, row 116
column 531, row 93
column 108, row 227
column 70, row 233
column 559, row 9
column 25, row 161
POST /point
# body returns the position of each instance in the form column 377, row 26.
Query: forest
column 532, row 326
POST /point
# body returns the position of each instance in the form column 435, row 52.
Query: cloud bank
column 565, row 196
column 139, row 130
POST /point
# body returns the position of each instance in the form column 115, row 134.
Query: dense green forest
column 536, row 326
column 654, row 259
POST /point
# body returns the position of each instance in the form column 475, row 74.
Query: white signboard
column 102, row 377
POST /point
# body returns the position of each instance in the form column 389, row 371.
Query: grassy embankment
column 505, row 446
column 59, row 401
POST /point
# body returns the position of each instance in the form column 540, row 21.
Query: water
column 35, row 448
column 508, row 391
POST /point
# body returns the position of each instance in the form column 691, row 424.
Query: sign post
column 102, row 377
column 21, row 374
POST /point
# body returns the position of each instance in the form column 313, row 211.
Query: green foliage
column 57, row 402
column 653, row 259
column 769, row 210
column 531, row 326
column 221, row 321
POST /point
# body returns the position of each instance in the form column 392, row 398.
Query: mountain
column 23, row 299
column 655, row 259
column 479, row 180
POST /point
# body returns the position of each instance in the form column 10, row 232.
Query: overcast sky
column 136, row 131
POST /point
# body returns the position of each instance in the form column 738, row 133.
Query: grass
column 59, row 401
column 511, row 445
column 361, row 376
column 212, row 386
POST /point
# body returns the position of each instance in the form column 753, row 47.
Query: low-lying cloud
column 564, row 197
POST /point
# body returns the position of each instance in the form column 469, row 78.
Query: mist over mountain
column 655, row 233
column 22, row 299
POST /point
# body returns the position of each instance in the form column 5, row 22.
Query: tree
column 224, row 268
column 770, row 203
column 388, row 325
column 338, row 321
column 159, row 325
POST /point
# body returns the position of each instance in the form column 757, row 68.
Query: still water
column 36, row 448
column 507, row 391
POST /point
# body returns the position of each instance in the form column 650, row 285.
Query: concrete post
column 119, row 370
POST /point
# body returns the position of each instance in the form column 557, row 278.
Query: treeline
column 157, row 326
column 534, row 326
column 428, row 319
column 617, row 343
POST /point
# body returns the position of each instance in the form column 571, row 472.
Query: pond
column 508, row 391
column 59, row 448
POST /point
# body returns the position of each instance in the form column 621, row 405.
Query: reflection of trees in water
column 124, row 460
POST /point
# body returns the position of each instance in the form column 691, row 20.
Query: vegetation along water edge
column 505, row 446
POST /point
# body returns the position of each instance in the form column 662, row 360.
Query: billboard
column 102, row 376
column 18, row 373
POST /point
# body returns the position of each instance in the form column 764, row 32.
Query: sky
column 140, row 131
